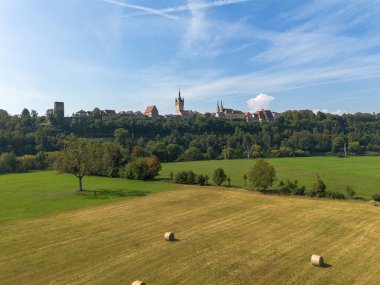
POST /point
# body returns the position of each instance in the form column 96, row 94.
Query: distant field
column 225, row 237
column 362, row 173
column 38, row 193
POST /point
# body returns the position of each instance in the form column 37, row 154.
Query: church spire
column 179, row 94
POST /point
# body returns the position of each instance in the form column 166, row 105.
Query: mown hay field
column 362, row 173
column 224, row 237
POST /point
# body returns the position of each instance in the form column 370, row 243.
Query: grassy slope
column 225, row 237
column 39, row 193
column 363, row 173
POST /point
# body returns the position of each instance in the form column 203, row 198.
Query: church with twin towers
column 225, row 113
column 221, row 112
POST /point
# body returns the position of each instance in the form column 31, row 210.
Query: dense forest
column 294, row 133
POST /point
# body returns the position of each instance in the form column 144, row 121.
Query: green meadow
column 362, row 173
column 38, row 193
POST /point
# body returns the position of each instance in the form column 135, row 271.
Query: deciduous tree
column 219, row 176
column 77, row 158
column 262, row 175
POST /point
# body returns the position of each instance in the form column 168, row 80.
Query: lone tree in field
column 77, row 158
column 262, row 175
column 219, row 176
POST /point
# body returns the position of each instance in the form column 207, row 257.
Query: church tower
column 219, row 108
column 179, row 104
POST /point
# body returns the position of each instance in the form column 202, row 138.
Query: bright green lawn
column 362, row 173
column 38, row 193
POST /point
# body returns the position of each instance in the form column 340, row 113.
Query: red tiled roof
column 186, row 112
column 149, row 109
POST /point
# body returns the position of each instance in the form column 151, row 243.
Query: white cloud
column 261, row 101
column 196, row 29
column 339, row 112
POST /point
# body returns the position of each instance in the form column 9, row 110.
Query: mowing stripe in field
column 225, row 237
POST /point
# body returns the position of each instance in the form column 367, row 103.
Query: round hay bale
column 138, row 282
column 316, row 260
column 169, row 236
column 373, row 203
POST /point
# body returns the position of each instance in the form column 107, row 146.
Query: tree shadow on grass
column 159, row 179
column 271, row 192
column 106, row 194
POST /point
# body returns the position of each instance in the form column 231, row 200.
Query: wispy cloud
column 324, row 32
column 198, row 5
column 147, row 10
column 209, row 37
column 167, row 12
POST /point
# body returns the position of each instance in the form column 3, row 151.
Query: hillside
column 225, row 237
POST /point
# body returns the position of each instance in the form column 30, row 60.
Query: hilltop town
column 151, row 112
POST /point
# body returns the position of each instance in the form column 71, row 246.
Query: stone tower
column 59, row 109
column 179, row 104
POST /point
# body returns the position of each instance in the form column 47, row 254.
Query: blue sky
column 127, row 54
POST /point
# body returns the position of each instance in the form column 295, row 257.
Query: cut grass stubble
column 226, row 237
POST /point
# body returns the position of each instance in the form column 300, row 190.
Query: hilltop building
column 81, row 114
column 179, row 107
column 180, row 113
column 126, row 114
column 108, row 114
column 151, row 112
column 264, row 116
column 140, row 115
column 257, row 117
column 222, row 112
column 59, row 109
column 179, row 103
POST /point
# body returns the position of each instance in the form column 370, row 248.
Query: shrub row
column 189, row 177
column 10, row 163
column 318, row 190
column 376, row 197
